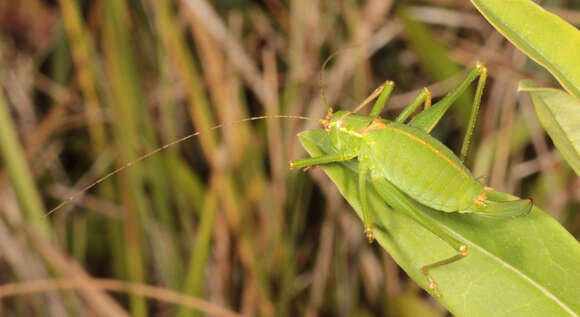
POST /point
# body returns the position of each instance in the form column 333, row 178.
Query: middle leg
column 423, row 97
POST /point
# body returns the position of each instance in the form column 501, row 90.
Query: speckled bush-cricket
column 408, row 157
column 394, row 156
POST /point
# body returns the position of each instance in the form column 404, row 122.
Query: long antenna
column 320, row 80
column 166, row 146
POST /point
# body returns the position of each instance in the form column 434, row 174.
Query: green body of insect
column 409, row 158
column 399, row 157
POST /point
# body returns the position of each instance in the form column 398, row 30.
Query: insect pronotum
column 392, row 153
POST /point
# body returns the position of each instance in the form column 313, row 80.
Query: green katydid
column 406, row 156
column 370, row 139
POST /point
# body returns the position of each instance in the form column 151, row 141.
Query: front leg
column 322, row 159
column 383, row 92
column 423, row 97
column 363, row 168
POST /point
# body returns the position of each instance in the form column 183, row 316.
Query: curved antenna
column 377, row 92
column 145, row 156
column 321, row 80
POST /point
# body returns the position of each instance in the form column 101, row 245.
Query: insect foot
column 433, row 287
column 308, row 168
column 369, row 233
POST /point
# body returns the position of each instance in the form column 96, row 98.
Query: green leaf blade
column 518, row 267
column 543, row 36
column 559, row 114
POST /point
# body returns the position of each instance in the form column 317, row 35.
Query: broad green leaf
column 559, row 114
column 543, row 36
column 526, row 266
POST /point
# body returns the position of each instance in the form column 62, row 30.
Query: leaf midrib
column 505, row 264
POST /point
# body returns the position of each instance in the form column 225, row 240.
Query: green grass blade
column 127, row 107
column 198, row 261
column 16, row 165
column 543, row 36
column 82, row 52
column 559, row 114
column 525, row 266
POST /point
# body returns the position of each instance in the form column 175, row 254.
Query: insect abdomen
column 422, row 167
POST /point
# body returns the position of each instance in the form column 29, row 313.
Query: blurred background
column 87, row 86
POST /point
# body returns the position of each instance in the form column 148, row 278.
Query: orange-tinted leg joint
column 432, row 284
column 463, row 250
column 369, row 233
column 480, row 200
column 307, row 168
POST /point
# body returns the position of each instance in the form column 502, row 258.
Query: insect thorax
column 345, row 130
